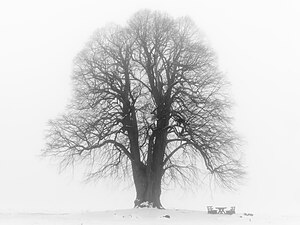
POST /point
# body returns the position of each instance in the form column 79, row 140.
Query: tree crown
column 153, row 78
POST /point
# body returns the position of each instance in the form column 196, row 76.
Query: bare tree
column 151, row 104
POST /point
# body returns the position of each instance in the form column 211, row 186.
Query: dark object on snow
column 210, row 210
column 231, row 211
column 221, row 210
column 167, row 216
column 248, row 214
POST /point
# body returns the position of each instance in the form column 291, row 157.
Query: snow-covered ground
column 142, row 216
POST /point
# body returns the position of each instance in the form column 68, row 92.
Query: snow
column 142, row 216
column 147, row 205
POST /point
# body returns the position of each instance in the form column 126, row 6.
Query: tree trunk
column 147, row 178
column 148, row 187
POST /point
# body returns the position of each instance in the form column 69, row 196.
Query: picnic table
column 221, row 210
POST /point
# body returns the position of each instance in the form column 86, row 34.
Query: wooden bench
column 231, row 211
column 210, row 210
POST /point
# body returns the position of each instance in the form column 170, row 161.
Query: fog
column 257, row 43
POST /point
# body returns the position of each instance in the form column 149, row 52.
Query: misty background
column 257, row 43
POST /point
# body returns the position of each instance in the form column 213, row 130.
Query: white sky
column 258, row 47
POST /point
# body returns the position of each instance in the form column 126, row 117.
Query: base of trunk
column 147, row 204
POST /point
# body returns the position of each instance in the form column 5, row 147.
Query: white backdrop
column 258, row 47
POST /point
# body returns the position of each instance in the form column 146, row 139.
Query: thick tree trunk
column 147, row 178
column 148, row 188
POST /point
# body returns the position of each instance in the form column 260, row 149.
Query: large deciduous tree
column 149, row 103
